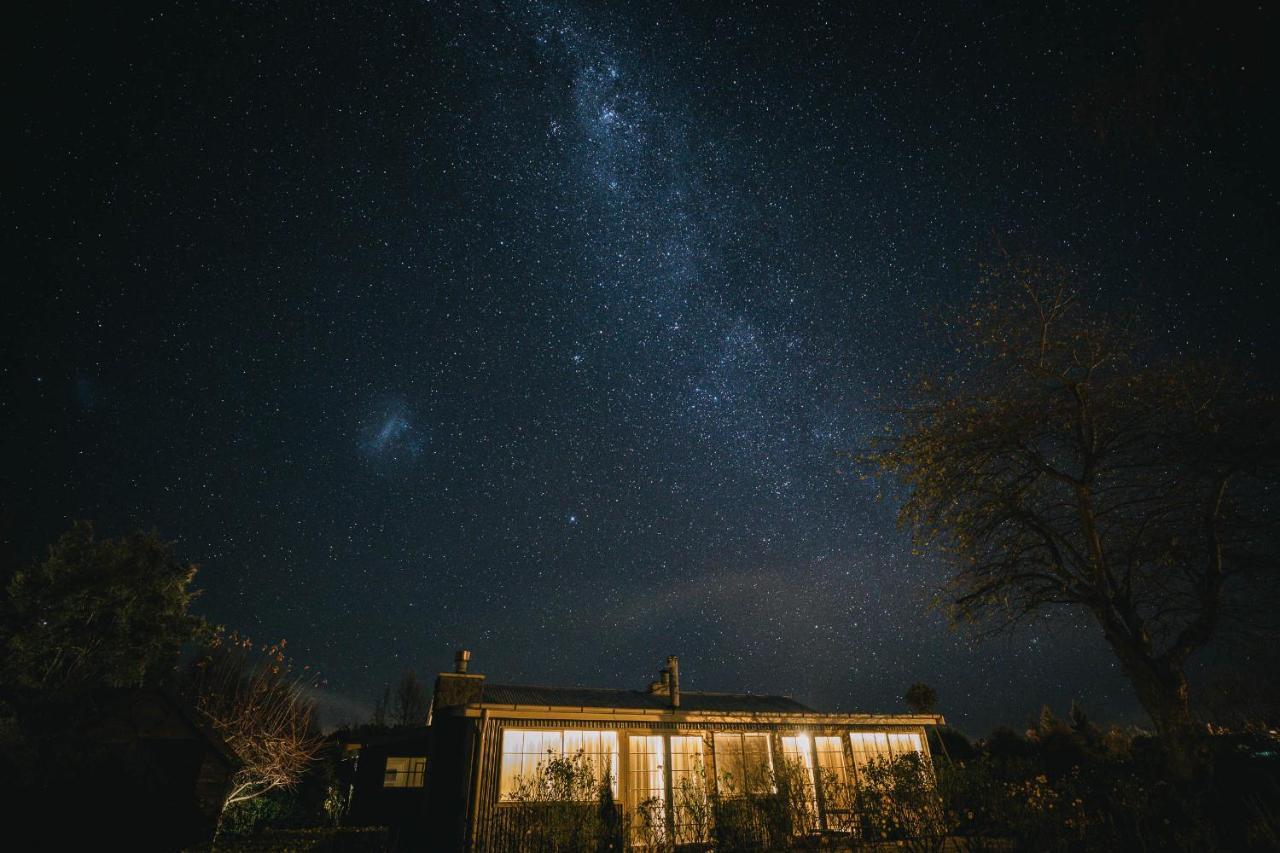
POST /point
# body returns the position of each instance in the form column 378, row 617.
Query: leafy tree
column 411, row 701
column 921, row 698
column 1069, row 463
column 96, row 613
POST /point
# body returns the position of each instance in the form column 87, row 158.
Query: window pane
column 868, row 747
column 833, row 775
column 552, row 742
column 904, row 743
column 404, row 772
column 526, row 753
column 646, row 789
column 831, row 759
column 391, row 776
column 529, row 762
column 729, row 766
column 686, row 754
column 799, row 759
column 690, row 803
column 796, row 748
column 744, row 763
column 757, row 760
column 523, row 751
column 600, row 749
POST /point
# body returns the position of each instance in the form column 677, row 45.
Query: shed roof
column 597, row 697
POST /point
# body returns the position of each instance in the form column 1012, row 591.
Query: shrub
column 566, row 805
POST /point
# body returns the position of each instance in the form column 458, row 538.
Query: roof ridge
column 545, row 696
column 561, row 687
column 634, row 690
column 747, row 693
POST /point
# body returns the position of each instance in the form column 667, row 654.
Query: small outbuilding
column 384, row 774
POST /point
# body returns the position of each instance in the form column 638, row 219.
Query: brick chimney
column 459, row 687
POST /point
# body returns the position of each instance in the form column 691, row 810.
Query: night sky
column 538, row 328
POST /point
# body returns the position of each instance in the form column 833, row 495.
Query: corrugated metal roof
column 593, row 697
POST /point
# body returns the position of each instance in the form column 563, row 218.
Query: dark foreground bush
column 365, row 839
column 1116, row 802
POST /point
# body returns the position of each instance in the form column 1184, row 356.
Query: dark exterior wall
column 449, row 780
column 401, row 810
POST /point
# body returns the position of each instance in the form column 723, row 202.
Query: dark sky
column 537, row 328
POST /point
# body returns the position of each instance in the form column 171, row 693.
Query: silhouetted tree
column 921, row 698
column 1066, row 464
column 1004, row 744
column 1047, row 723
column 382, row 708
column 1082, row 725
column 96, row 613
column 411, row 701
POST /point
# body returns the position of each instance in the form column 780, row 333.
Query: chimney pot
column 461, row 661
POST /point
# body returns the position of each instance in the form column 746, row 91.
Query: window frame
column 415, row 773
column 506, row 795
column 770, row 786
column 890, row 751
column 695, row 762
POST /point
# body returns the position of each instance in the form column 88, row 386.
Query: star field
column 539, row 329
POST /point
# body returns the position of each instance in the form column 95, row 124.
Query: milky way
column 541, row 329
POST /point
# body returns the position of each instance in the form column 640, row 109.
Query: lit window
column 834, row 776
column 798, row 754
column 524, row 751
column 646, row 788
column 404, row 772
column 831, row 760
column 872, row 746
column 688, row 789
column 901, row 744
column 868, row 747
column 744, row 763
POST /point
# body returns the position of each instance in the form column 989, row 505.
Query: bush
column 367, row 839
column 1110, row 799
column 566, row 805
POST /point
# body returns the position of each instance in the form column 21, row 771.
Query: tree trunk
column 1163, row 691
